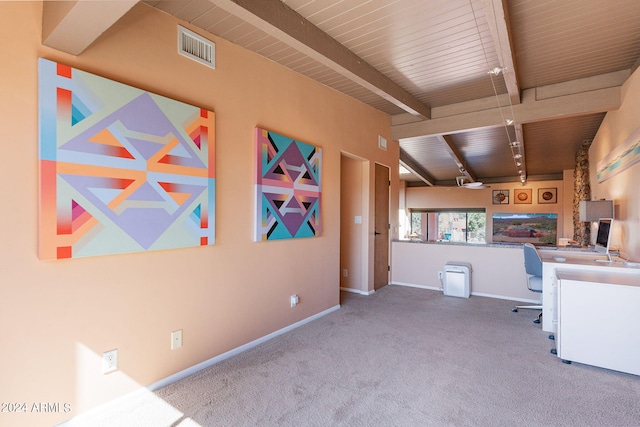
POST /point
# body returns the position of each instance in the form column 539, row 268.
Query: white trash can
column 457, row 279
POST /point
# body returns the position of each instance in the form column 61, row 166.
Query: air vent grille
column 196, row 47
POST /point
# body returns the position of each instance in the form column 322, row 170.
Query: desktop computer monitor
column 603, row 238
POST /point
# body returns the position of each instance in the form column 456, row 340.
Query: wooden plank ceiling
column 560, row 66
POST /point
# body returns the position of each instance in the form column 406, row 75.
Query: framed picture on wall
column 547, row 195
column 522, row 196
column 500, row 197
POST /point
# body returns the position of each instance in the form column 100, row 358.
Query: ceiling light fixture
column 497, row 70
column 464, row 182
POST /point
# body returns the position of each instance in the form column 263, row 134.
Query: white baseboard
column 357, row 291
column 411, row 285
column 478, row 294
column 200, row 366
column 113, row 405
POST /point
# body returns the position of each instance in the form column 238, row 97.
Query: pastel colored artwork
column 121, row 169
column 288, row 187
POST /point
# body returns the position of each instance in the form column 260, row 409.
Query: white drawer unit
column 598, row 320
column 457, row 279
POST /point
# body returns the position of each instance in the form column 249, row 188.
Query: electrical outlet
column 345, row 272
column 176, row 339
column 109, row 361
column 294, row 300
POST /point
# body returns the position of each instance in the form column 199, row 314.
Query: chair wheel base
column 566, row 362
column 514, row 310
column 536, row 321
column 554, row 351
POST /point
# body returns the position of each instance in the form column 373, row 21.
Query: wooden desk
column 553, row 260
column 599, row 319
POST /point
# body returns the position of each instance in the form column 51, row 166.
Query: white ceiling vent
column 196, row 47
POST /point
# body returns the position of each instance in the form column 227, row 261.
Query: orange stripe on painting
column 64, row 225
column 63, row 70
column 47, row 218
column 121, row 177
column 207, row 127
column 81, row 220
column 210, row 123
column 174, row 190
column 113, row 147
column 63, row 102
column 121, row 183
column 64, row 252
column 100, row 171
column 127, row 191
column 180, row 198
column 78, row 233
column 204, row 241
column 64, row 96
column 169, row 187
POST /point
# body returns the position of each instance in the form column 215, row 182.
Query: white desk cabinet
column 599, row 319
column 555, row 260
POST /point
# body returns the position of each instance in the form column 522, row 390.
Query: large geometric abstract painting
column 121, row 169
column 288, row 187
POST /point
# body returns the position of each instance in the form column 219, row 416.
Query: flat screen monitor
column 603, row 238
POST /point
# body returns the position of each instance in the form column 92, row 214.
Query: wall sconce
column 595, row 209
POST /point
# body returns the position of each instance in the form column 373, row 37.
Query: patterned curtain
column 581, row 191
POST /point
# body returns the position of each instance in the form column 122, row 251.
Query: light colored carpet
column 400, row 357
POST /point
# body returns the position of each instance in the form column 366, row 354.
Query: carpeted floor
column 400, row 357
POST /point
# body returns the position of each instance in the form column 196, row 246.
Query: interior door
column 381, row 221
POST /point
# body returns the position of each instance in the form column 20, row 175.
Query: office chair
column 533, row 268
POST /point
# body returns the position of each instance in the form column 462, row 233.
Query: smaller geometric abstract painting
column 288, row 187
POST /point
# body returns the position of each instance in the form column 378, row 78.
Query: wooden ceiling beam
column 532, row 109
column 413, row 167
column 72, row 26
column 455, row 154
column 497, row 19
column 280, row 21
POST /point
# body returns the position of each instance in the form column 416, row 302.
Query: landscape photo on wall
column 121, row 169
column 536, row 228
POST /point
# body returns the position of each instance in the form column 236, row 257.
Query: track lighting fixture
column 517, row 147
column 496, row 71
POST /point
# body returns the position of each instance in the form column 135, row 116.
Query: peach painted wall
column 622, row 188
column 58, row 317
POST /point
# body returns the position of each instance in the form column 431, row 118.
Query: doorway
column 381, row 230
column 353, row 220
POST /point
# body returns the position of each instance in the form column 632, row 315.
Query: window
column 449, row 225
